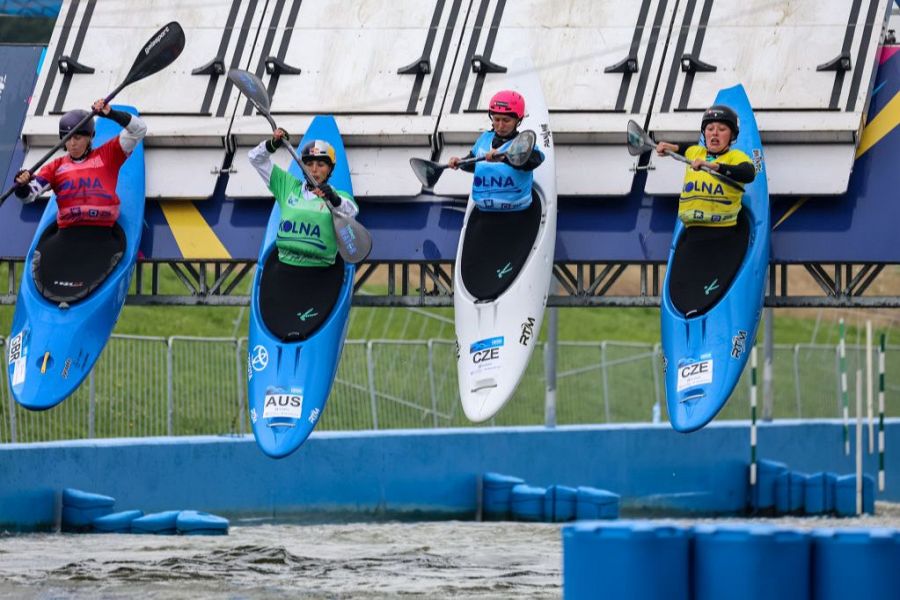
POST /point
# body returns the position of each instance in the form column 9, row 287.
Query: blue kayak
column 298, row 322
column 707, row 332
column 66, row 309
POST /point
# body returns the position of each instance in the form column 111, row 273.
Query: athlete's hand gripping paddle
column 354, row 240
column 159, row 52
column 639, row 142
column 428, row 172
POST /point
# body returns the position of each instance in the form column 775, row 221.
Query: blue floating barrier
column 495, row 500
column 80, row 508
column 814, row 494
column 192, row 522
column 163, row 523
column 855, row 563
column 559, row 503
column 592, row 503
column 527, row 502
column 845, row 495
column 119, row 522
column 633, row 560
column 750, row 562
column 764, row 490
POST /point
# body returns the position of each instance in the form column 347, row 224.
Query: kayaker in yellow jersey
column 707, row 200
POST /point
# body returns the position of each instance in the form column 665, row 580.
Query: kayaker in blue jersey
column 707, row 200
column 306, row 235
column 498, row 185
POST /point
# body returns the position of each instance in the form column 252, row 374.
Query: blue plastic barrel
column 118, row 522
column 798, row 492
column 193, row 522
column 845, row 495
column 750, row 562
column 81, row 499
column 814, row 494
column 830, row 487
column 80, row 509
column 783, row 493
column 856, row 563
column 527, row 502
column 559, row 503
column 162, row 523
column 495, row 500
column 592, row 503
column 764, row 490
column 625, row 560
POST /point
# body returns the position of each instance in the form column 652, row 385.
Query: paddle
column 428, row 172
column 639, row 141
column 158, row 53
column 354, row 240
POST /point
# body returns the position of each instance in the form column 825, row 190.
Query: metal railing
column 152, row 386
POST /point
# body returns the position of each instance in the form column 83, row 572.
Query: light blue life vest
column 498, row 186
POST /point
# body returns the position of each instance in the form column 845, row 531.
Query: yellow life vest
column 707, row 200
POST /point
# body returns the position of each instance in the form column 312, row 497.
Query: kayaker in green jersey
column 305, row 233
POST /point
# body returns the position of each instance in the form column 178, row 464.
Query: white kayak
column 503, row 267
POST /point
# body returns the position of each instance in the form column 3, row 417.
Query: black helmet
column 721, row 114
column 73, row 118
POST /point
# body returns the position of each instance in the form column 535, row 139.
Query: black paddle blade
column 638, row 140
column 427, row 172
column 354, row 241
column 160, row 52
column 521, row 148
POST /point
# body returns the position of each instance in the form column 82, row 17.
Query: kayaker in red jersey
column 84, row 179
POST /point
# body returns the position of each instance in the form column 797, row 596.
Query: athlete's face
column 718, row 136
column 319, row 169
column 77, row 145
column 503, row 124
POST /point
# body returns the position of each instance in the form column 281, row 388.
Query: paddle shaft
column 712, row 172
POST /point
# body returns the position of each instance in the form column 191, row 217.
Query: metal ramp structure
column 412, row 78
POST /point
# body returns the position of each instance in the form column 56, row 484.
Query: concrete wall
column 434, row 472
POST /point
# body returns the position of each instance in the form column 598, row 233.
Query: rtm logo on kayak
column 494, row 181
column 738, row 344
column 545, row 134
column 704, row 187
column 527, row 331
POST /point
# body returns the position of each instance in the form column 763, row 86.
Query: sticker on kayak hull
column 283, row 406
column 486, row 344
column 18, row 377
column 694, row 374
column 15, row 348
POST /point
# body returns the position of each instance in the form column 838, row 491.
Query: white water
column 433, row 560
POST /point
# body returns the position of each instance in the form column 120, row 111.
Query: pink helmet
column 508, row 102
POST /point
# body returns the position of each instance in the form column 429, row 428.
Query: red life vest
column 86, row 190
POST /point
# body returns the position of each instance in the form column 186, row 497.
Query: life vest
column 305, row 236
column 86, row 189
column 498, row 186
column 706, row 199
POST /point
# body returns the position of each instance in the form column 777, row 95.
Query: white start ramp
column 411, row 78
column 807, row 66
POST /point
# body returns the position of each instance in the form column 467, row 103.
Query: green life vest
column 305, row 235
